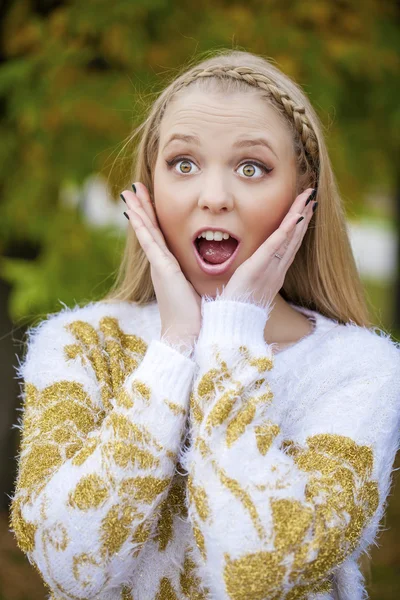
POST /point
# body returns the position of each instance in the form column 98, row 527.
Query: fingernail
column 123, row 198
column 298, row 220
column 314, row 208
column 127, row 216
column 134, row 187
column 311, row 196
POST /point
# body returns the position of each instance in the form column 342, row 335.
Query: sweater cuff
column 233, row 323
column 168, row 370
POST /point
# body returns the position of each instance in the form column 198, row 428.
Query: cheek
column 272, row 215
column 170, row 222
column 263, row 222
column 158, row 185
column 278, row 216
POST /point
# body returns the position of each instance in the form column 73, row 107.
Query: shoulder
column 359, row 378
column 360, row 364
column 348, row 380
column 93, row 313
column 336, row 354
column 362, row 347
column 89, row 320
column 82, row 335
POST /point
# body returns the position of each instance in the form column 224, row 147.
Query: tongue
column 216, row 252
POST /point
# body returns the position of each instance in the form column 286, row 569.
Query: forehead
column 213, row 116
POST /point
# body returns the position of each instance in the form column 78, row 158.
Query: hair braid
column 323, row 275
column 295, row 112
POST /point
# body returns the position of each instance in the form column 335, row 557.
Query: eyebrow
column 244, row 143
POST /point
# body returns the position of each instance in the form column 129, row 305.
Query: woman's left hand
column 263, row 273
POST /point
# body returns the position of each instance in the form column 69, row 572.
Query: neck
column 285, row 324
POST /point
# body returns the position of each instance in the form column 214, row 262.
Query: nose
column 215, row 195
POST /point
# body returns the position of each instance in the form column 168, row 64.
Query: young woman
column 224, row 423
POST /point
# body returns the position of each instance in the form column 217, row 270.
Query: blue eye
column 184, row 159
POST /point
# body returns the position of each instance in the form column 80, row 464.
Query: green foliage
column 380, row 298
column 76, row 264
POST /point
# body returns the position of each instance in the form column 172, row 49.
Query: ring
column 278, row 256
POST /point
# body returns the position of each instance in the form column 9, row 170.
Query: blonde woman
column 223, row 425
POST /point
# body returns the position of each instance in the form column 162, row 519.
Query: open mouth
column 214, row 252
column 216, row 258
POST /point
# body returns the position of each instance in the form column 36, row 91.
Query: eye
column 249, row 166
column 178, row 159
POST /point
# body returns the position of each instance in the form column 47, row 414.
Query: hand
column 178, row 302
column 263, row 273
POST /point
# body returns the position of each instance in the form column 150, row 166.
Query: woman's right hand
column 178, row 302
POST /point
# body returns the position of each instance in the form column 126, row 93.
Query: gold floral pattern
column 60, row 422
column 309, row 537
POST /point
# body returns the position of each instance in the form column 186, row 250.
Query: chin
column 209, row 289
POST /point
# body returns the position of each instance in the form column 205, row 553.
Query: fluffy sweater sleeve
column 103, row 417
column 287, row 476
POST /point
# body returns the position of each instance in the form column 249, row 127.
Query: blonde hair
column 323, row 276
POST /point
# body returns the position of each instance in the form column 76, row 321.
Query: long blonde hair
column 323, row 275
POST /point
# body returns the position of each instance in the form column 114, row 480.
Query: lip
column 215, row 269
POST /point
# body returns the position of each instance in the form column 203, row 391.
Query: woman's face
column 216, row 183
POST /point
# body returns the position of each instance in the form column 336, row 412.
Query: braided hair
column 293, row 112
column 323, row 275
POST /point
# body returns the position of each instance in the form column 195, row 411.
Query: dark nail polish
column 298, row 220
column 314, row 208
column 127, row 216
column 134, row 187
column 311, row 196
column 123, row 198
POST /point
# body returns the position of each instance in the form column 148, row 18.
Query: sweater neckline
column 318, row 322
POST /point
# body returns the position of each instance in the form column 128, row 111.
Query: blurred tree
column 76, row 77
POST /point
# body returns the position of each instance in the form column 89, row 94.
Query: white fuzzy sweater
column 145, row 473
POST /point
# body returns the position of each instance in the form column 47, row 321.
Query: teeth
column 214, row 235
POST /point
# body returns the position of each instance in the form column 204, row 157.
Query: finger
column 156, row 255
column 290, row 226
column 279, row 241
column 292, row 243
column 299, row 203
column 143, row 195
column 298, row 206
column 135, row 201
column 155, row 231
column 281, row 237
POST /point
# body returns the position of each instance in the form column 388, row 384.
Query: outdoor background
column 76, row 77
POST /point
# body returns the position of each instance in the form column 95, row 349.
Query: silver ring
column 278, row 256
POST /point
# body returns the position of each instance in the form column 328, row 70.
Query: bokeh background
column 76, row 77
